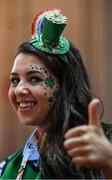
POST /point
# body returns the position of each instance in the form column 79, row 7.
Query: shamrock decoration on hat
column 47, row 28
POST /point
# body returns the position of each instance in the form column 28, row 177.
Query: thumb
column 93, row 110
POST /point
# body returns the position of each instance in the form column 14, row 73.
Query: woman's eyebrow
column 13, row 74
column 33, row 72
column 28, row 73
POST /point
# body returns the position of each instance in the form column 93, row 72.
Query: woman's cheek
column 12, row 98
column 50, row 92
column 11, row 94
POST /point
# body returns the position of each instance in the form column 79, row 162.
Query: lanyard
column 30, row 152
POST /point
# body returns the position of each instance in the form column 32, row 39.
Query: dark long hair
column 70, row 110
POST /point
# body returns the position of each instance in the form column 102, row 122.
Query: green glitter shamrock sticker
column 56, row 94
column 50, row 99
column 49, row 81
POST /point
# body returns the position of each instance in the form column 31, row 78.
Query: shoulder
column 11, row 161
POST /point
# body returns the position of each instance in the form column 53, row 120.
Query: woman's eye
column 35, row 80
column 14, row 81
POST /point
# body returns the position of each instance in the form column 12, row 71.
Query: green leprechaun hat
column 47, row 28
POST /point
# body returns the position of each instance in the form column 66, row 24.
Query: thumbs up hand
column 93, row 108
column 87, row 145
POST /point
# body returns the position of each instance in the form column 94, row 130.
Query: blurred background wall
column 89, row 28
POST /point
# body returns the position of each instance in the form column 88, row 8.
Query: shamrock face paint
column 50, row 84
column 33, row 89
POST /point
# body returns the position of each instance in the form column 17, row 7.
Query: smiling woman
column 32, row 89
column 50, row 89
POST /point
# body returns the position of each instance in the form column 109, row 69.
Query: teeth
column 26, row 104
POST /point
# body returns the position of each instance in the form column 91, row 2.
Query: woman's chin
column 28, row 122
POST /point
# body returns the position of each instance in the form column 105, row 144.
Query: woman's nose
column 21, row 89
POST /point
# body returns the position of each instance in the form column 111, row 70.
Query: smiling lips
column 26, row 105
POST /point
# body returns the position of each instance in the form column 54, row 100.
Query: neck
column 40, row 130
column 42, row 136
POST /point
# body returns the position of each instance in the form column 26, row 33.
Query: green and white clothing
column 24, row 164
